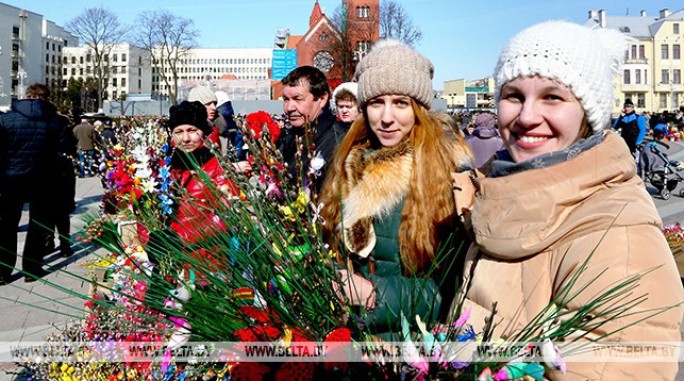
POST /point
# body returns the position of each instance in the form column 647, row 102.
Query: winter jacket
column 633, row 128
column 534, row 230
column 85, row 134
column 195, row 217
column 32, row 135
column 377, row 189
column 484, row 141
column 325, row 141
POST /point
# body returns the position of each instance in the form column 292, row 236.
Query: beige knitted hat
column 585, row 60
column 202, row 94
column 392, row 67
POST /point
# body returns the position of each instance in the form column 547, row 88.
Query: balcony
column 637, row 61
column 638, row 88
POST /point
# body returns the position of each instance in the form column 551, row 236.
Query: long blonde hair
column 429, row 214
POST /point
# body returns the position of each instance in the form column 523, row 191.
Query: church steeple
column 316, row 15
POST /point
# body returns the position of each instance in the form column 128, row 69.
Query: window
column 139, row 84
column 47, row 58
column 625, row 77
column 675, row 52
column 634, row 51
column 87, row 58
column 65, row 60
column 637, row 76
column 363, row 12
column 54, row 59
column 664, row 51
column 59, row 48
column 676, row 76
column 665, row 76
column 641, row 100
column 663, row 100
column 73, row 71
column 73, row 60
column 123, row 69
column 80, row 71
column 642, row 52
column 123, row 82
column 114, row 69
column 47, row 46
column 114, row 82
column 66, row 71
column 15, row 31
column 115, row 57
column 47, row 69
column 106, row 58
column 123, row 57
column 53, row 46
column 645, row 76
column 675, row 28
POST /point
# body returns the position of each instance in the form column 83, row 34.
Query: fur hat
column 202, row 94
column 585, row 60
column 392, row 67
column 193, row 113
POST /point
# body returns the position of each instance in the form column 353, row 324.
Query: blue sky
column 461, row 37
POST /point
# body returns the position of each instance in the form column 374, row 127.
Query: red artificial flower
column 249, row 371
column 255, row 122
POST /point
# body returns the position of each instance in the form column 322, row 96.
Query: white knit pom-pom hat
column 585, row 60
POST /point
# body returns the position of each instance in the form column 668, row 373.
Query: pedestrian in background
column 85, row 136
column 485, row 140
column 32, row 138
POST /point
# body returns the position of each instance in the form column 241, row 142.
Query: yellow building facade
column 652, row 72
column 462, row 94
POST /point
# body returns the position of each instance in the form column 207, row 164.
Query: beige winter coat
column 535, row 228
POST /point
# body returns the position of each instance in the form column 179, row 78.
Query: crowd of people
column 421, row 216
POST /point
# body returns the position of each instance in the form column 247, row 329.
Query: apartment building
column 30, row 51
column 129, row 69
column 652, row 73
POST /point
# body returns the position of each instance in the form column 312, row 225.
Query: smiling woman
column 564, row 206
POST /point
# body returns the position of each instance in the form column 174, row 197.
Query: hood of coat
column 533, row 211
column 35, row 109
column 485, row 132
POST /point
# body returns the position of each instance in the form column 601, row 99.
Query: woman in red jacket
column 198, row 201
column 200, row 184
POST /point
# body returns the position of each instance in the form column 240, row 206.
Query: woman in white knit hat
column 566, row 192
column 388, row 202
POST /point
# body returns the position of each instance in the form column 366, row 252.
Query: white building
column 55, row 39
column 27, row 51
column 214, row 64
column 130, row 72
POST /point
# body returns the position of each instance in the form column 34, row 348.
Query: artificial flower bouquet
column 273, row 281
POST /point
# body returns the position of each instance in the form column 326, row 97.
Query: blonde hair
column 429, row 214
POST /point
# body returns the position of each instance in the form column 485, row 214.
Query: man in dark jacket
column 32, row 136
column 306, row 97
column 632, row 126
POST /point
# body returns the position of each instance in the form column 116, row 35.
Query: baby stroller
column 656, row 168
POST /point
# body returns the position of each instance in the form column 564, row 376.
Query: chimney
column 602, row 18
column 643, row 13
column 664, row 13
column 592, row 14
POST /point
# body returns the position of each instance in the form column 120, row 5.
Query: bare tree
column 343, row 44
column 169, row 39
column 99, row 30
column 396, row 23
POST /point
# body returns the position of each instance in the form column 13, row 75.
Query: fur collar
column 376, row 182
